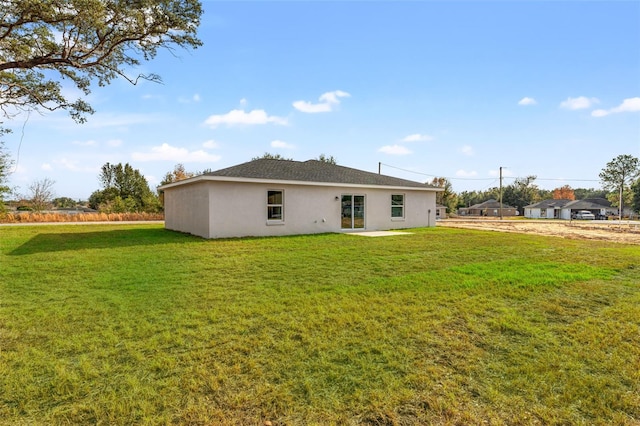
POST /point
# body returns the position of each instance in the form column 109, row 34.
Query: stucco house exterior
column 546, row 209
column 268, row 197
column 441, row 211
column 566, row 209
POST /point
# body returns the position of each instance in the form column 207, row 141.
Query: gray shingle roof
column 547, row 204
column 311, row 171
column 490, row 204
column 588, row 204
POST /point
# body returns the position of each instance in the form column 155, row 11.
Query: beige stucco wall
column 237, row 209
column 186, row 209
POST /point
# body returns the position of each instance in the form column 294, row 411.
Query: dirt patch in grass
column 626, row 232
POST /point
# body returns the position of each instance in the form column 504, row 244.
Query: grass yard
column 132, row 324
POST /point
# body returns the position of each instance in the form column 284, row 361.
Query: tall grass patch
column 136, row 324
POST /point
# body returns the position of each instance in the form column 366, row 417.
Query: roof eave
column 208, row 178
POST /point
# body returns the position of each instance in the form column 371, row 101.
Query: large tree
column 125, row 189
column 635, row 188
column 582, row 193
column 178, row 173
column 521, row 193
column 618, row 174
column 43, row 42
column 41, row 194
column 448, row 197
column 565, row 192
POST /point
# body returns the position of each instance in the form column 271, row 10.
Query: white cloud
column 166, row 152
column 46, row 166
column 417, row 137
column 211, row 144
column 394, row 150
column 114, row 143
column 241, row 117
column 243, row 102
column 281, row 144
column 466, row 150
column 581, row 102
column 332, row 97
column 327, row 102
column 196, row 98
column 527, row 101
column 627, row 105
column 464, row 173
column 308, row 107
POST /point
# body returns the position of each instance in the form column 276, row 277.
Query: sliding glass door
column 352, row 212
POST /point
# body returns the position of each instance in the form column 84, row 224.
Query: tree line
column 620, row 185
column 124, row 189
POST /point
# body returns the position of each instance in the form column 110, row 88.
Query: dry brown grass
column 627, row 232
column 28, row 217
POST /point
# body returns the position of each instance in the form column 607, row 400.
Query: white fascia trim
column 204, row 178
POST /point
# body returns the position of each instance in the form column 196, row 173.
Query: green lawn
column 138, row 325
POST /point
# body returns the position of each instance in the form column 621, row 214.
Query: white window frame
column 402, row 206
column 275, row 221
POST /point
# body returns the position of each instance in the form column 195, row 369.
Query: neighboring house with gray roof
column 490, row 207
column 567, row 209
column 546, row 209
column 600, row 207
column 267, row 197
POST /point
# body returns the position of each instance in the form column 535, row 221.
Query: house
column 567, row 209
column 441, row 211
column 546, row 209
column 600, row 207
column 268, row 197
column 488, row 208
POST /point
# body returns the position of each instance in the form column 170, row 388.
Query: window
column 275, row 206
column 397, row 206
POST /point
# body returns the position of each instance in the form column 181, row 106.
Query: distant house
column 600, row 207
column 546, row 209
column 441, row 211
column 269, row 197
column 567, row 209
column 488, row 208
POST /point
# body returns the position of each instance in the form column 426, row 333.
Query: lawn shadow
column 67, row 241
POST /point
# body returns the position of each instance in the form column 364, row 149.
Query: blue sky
column 427, row 88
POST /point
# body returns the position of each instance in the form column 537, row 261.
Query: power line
column 490, row 178
column 425, row 174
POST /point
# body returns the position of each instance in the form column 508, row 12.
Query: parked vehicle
column 585, row 215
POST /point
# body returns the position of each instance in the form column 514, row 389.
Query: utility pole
column 500, row 192
column 379, row 166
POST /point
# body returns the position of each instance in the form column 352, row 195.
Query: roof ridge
column 312, row 170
